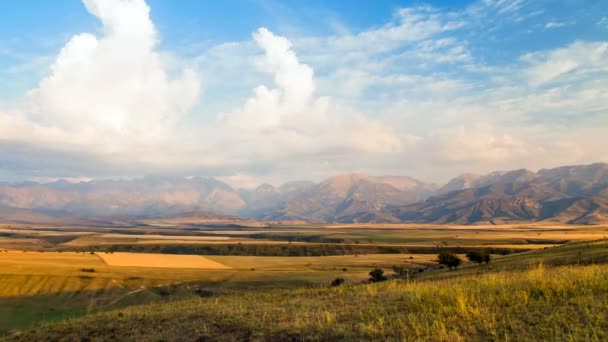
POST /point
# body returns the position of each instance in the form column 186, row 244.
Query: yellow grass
column 35, row 273
column 160, row 260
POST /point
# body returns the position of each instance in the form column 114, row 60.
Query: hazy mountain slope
column 573, row 194
column 148, row 196
column 266, row 198
column 26, row 216
column 346, row 195
column 469, row 181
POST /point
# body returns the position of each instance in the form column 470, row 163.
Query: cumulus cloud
column 290, row 119
column 115, row 83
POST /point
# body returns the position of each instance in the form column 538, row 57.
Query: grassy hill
column 561, row 303
column 522, row 297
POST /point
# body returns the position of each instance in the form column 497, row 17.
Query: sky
column 265, row 91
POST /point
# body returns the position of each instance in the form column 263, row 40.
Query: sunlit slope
column 562, row 303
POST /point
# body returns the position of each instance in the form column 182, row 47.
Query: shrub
column 89, row 270
column 337, row 282
column 376, row 275
column 449, row 259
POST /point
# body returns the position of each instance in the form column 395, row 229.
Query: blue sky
column 267, row 91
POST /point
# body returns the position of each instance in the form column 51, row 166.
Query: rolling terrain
column 553, row 294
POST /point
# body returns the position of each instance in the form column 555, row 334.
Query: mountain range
column 569, row 194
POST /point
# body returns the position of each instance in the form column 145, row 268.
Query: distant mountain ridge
column 569, row 194
column 572, row 194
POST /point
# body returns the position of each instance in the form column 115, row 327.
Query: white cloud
column 291, row 120
column 505, row 6
column 410, row 25
column 476, row 143
column 115, row 83
column 579, row 58
column 554, row 24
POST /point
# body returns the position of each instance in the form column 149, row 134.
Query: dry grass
column 160, row 260
column 540, row 304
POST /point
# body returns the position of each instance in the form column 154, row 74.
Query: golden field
column 160, row 260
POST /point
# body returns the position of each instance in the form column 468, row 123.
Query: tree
column 475, row 256
column 479, row 256
column 449, row 259
column 487, row 257
column 376, row 275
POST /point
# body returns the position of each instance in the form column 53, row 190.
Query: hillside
column 532, row 301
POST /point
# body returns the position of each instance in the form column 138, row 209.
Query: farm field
column 538, row 302
column 524, row 237
column 53, row 273
column 43, row 286
column 160, row 260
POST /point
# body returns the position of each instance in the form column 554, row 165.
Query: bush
column 449, row 259
column 89, row 270
column 376, row 275
column 337, row 282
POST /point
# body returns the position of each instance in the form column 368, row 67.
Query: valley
column 303, row 171
column 50, row 273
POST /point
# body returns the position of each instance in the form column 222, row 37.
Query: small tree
column 337, row 282
column 475, row 256
column 449, row 259
column 487, row 257
column 376, row 275
column 479, row 256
